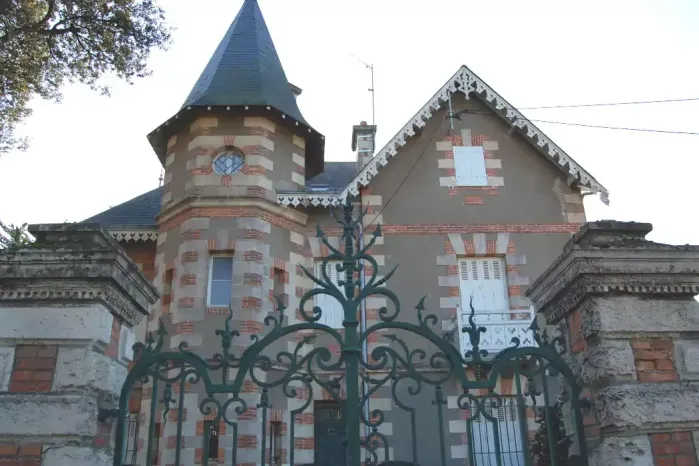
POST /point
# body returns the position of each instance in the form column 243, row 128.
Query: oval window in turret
column 228, row 163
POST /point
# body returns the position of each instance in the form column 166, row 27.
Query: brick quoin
column 255, row 234
column 251, row 326
column 184, row 328
column 247, row 441
column 33, row 368
column 473, row 200
column 190, row 256
column 21, row 455
column 491, row 247
column 254, row 279
column 304, row 418
column 654, row 359
column 188, row 279
column 250, row 302
column 304, row 443
column 673, row 449
column 113, row 347
column 253, row 256
column 577, row 342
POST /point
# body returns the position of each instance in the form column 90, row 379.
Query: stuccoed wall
column 626, row 306
column 68, row 304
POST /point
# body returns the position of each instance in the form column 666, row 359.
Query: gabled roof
column 245, row 75
column 466, row 81
column 245, row 69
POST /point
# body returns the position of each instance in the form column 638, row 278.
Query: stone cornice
column 76, row 263
column 614, row 258
column 194, row 203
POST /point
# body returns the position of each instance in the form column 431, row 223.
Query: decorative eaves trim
column 309, row 199
column 134, row 235
column 466, row 81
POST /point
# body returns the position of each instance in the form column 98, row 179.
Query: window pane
column 220, row 294
column 222, row 268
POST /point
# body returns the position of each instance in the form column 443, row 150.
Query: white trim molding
column 468, row 82
column 309, row 199
column 134, row 235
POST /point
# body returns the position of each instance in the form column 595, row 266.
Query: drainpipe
column 363, row 323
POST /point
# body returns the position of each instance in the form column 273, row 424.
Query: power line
column 585, row 125
column 611, row 104
column 619, row 128
column 424, row 149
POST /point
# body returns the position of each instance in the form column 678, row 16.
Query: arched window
column 228, row 162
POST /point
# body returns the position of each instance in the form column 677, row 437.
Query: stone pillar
column 626, row 306
column 68, row 304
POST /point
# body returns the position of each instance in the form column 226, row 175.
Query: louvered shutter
column 509, row 435
column 470, row 285
column 331, row 307
column 494, row 289
column 469, row 164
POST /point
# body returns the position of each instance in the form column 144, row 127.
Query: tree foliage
column 14, row 236
column 541, row 445
column 46, row 43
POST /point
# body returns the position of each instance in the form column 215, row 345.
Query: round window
column 228, row 163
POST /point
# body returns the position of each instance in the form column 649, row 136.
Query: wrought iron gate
column 422, row 405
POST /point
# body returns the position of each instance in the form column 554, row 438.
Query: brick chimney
column 363, row 142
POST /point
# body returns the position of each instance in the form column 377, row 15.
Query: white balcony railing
column 500, row 329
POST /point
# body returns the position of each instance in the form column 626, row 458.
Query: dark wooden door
column 330, row 434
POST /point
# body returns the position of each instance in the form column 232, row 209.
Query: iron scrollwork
column 307, row 368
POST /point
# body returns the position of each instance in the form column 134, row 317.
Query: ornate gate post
column 68, row 305
column 626, row 306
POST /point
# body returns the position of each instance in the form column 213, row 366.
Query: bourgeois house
column 474, row 201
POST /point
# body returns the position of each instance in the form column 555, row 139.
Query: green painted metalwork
column 495, row 427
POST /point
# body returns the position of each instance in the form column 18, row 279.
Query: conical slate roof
column 245, row 73
column 245, row 69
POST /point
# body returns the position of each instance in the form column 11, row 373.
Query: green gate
column 519, row 407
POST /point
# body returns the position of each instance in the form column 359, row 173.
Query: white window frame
column 483, row 316
column 469, row 166
column 334, row 318
column 509, row 431
column 211, row 276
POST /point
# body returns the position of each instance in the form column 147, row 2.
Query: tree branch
column 49, row 13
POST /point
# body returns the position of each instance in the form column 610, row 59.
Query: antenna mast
column 370, row 67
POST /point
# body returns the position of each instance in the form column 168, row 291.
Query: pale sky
column 90, row 152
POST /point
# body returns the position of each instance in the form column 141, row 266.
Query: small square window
column 220, row 281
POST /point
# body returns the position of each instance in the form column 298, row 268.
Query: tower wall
column 205, row 214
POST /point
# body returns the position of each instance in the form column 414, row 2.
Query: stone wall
column 68, row 304
column 626, row 306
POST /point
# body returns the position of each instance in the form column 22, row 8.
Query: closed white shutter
column 469, row 282
column 494, row 289
column 469, row 164
column 484, row 279
column 331, row 307
column 511, row 449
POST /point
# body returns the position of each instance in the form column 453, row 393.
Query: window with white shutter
column 484, row 280
column 482, row 432
column 333, row 314
column 469, row 164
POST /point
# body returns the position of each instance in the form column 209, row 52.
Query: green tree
column 541, row 445
column 14, row 236
column 46, row 43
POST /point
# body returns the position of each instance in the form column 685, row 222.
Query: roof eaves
column 465, row 79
